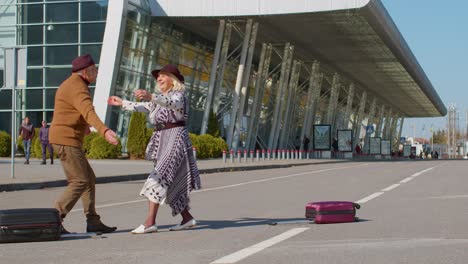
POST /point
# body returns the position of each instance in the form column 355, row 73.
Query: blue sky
column 437, row 33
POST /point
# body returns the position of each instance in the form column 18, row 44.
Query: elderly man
column 73, row 115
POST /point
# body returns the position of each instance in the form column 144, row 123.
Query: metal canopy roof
column 359, row 40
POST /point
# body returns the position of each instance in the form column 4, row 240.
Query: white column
column 109, row 62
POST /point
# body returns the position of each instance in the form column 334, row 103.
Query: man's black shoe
column 43, row 163
column 100, row 228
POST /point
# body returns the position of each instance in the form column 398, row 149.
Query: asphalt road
column 412, row 212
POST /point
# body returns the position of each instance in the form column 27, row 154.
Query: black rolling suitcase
column 29, row 225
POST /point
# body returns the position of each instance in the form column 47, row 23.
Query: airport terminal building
column 273, row 72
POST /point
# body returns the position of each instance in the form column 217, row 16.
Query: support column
column 293, row 82
column 333, row 102
column 360, row 115
column 370, row 119
column 211, row 83
column 349, row 107
column 222, row 66
column 237, row 89
column 256, row 122
column 257, row 96
column 393, row 130
column 272, row 141
column 379, row 121
column 387, row 123
column 316, row 102
column 309, row 103
column 245, row 81
column 399, row 133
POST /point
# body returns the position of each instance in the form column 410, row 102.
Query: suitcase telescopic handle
column 28, row 233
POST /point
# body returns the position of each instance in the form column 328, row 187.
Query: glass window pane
column 5, row 100
column 55, row 76
column 94, row 11
column 34, row 78
column 62, row 12
column 61, row 55
column 33, row 98
column 5, row 125
column 61, row 34
column 32, row 13
column 93, row 50
column 49, row 117
column 50, row 98
column 35, row 117
column 32, row 35
column 35, row 56
column 92, row 32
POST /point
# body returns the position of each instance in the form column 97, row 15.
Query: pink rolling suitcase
column 332, row 212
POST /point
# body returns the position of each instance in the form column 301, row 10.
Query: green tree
column 440, row 137
column 5, row 144
column 101, row 149
column 137, row 136
column 213, row 125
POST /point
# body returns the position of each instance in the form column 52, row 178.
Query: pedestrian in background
column 26, row 132
column 44, row 138
column 73, row 114
column 175, row 172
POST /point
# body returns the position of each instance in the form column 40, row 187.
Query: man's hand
column 87, row 130
column 111, row 137
column 114, row 100
column 143, row 95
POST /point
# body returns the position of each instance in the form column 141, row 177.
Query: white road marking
column 448, row 197
column 391, row 187
column 243, row 253
column 112, row 204
column 276, row 178
column 370, row 197
column 405, row 180
column 233, row 185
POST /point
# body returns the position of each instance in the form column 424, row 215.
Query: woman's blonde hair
column 176, row 84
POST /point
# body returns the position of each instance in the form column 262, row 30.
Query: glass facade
column 54, row 33
column 151, row 43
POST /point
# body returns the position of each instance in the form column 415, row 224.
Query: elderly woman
column 175, row 172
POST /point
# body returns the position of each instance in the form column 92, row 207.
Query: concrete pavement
column 37, row 176
column 411, row 212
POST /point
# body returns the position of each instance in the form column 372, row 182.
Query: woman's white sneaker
column 144, row 230
column 187, row 225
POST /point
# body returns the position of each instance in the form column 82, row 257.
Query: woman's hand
column 114, row 100
column 143, row 95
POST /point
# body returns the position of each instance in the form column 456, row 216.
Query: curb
column 10, row 187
